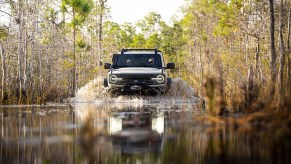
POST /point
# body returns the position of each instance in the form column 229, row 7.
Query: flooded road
column 131, row 133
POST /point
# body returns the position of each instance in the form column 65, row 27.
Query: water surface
column 131, row 133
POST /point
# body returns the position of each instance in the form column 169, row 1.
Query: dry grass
column 260, row 109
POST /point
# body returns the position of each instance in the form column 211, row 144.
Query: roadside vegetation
column 235, row 54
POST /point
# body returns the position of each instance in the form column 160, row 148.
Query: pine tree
column 79, row 9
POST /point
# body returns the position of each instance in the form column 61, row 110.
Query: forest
column 235, row 53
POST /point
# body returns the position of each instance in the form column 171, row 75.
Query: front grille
column 137, row 76
column 129, row 78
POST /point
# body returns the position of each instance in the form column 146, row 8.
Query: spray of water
column 94, row 91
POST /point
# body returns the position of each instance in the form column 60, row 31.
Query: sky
column 133, row 10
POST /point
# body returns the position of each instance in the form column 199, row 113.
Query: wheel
column 105, row 83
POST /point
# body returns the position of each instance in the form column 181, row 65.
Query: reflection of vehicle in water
column 138, row 71
column 134, row 132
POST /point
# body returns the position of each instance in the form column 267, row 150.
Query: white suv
column 138, row 71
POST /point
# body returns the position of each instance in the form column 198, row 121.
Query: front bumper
column 140, row 86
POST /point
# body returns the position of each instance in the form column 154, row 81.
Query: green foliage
column 127, row 33
column 172, row 41
column 150, row 23
column 228, row 12
column 167, row 40
column 112, row 36
column 46, row 39
column 138, row 41
column 68, row 64
column 80, row 10
column 3, row 32
column 154, row 41
column 81, row 44
column 51, row 14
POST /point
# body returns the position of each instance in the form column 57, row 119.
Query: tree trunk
column 273, row 69
column 32, row 46
column 100, row 33
column 201, row 67
column 38, row 56
column 257, row 58
column 40, row 75
column 289, row 59
column 20, row 52
column 74, row 57
column 281, row 49
column 25, row 61
column 221, row 100
column 288, row 46
column 246, row 51
column 3, row 68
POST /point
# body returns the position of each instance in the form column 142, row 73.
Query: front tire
column 105, row 83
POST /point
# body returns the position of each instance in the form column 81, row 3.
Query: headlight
column 114, row 79
column 159, row 78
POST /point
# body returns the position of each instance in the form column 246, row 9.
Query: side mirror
column 107, row 65
column 170, row 66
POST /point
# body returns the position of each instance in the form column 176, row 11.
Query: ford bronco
column 138, row 71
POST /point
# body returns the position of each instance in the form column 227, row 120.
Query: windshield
column 138, row 60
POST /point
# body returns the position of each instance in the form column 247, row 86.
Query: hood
column 137, row 70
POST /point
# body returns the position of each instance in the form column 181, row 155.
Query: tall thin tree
column 79, row 10
column 281, row 48
column 273, row 68
column 101, row 4
column 20, row 47
column 3, row 69
column 288, row 45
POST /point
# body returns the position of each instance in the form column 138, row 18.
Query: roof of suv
column 140, row 51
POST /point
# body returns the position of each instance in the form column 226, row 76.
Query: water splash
column 94, row 91
column 180, row 89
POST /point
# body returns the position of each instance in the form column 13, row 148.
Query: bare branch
column 7, row 13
